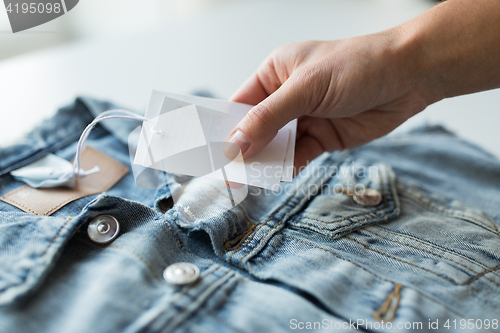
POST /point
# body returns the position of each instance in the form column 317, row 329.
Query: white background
column 122, row 49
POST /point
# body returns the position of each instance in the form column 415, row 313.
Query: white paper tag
column 193, row 139
column 170, row 101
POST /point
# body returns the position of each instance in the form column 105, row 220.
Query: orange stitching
column 336, row 255
column 241, row 237
column 482, row 274
column 270, row 218
column 359, row 266
column 239, row 262
column 477, row 264
column 14, row 203
column 261, row 240
column 386, row 205
column 429, row 244
column 123, row 170
column 424, row 201
column 58, row 233
column 403, row 261
column 409, row 245
column 432, row 253
column 389, row 305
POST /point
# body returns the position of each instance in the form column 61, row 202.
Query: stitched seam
column 184, row 308
column 423, row 199
column 138, row 256
column 14, row 203
column 191, row 286
column 419, row 249
column 279, row 209
column 186, row 290
column 482, row 274
column 343, row 227
column 431, row 245
column 261, row 240
column 406, row 262
column 46, row 249
column 427, row 203
column 338, row 256
column 386, row 305
column 366, row 270
column 241, row 237
column 57, row 235
column 437, row 255
column 386, row 205
column 121, row 172
column 270, row 218
column 474, row 263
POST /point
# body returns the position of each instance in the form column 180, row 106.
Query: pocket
column 443, row 255
column 358, row 194
column 436, row 237
column 29, row 245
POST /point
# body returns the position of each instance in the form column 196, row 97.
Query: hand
column 344, row 93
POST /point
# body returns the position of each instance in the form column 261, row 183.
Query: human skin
column 348, row 92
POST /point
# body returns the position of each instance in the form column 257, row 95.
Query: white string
column 112, row 114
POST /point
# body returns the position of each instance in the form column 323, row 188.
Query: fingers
column 262, row 122
column 252, row 91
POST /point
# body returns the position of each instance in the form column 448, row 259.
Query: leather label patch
column 46, row 201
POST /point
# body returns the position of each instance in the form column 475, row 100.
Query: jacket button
column 181, row 273
column 103, row 229
column 367, row 197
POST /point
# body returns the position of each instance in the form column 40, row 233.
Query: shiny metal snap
column 367, row 197
column 181, row 273
column 103, row 229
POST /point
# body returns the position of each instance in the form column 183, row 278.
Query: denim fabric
column 307, row 255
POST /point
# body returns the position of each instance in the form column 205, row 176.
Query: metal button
column 181, row 273
column 103, row 229
column 367, row 197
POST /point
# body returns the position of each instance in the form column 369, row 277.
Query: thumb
column 263, row 121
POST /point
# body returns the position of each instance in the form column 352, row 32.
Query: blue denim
column 305, row 258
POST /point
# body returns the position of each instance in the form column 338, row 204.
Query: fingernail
column 239, row 139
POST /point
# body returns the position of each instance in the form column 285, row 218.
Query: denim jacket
column 308, row 257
